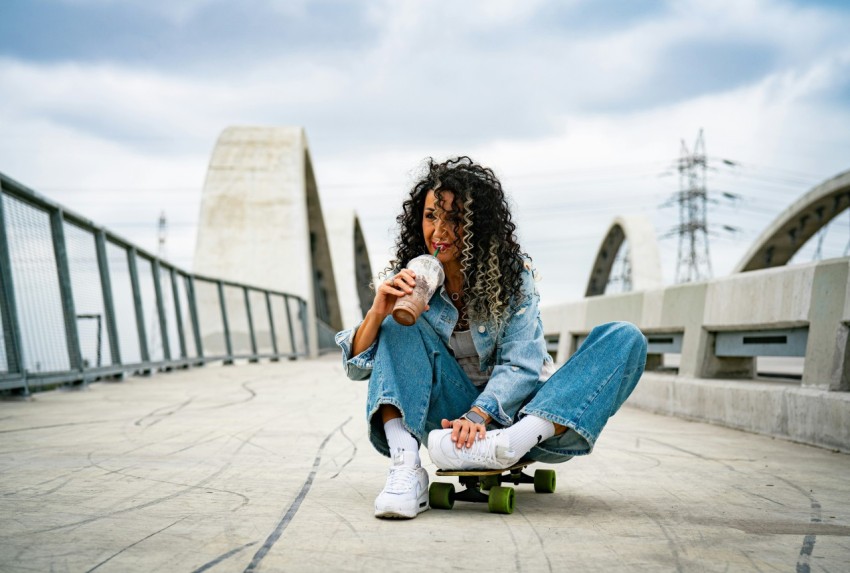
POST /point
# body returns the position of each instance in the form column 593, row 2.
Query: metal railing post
column 193, row 314
column 289, row 325
column 160, row 309
column 302, row 313
column 9, row 308
column 251, row 332
column 72, row 335
column 227, row 343
column 137, row 304
column 275, row 351
column 108, row 301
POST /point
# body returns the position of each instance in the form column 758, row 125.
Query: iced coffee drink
column 429, row 277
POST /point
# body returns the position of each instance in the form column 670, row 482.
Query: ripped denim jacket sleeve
column 357, row 367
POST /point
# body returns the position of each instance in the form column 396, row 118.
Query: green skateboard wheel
column 441, row 495
column 489, row 482
column 544, row 481
column 501, row 500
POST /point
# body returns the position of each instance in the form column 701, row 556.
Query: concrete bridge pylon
column 261, row 222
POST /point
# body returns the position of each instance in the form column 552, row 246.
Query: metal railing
column 78, row 303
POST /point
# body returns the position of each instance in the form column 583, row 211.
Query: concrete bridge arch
column 797, row 224
column 644, row 259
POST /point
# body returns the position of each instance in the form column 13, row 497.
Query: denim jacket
column 515, row 350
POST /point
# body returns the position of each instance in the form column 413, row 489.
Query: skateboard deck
column 500, row 499
column 516, row 466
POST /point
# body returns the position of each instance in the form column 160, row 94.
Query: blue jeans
column 415, row 372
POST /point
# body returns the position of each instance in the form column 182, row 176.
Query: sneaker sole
column 396, row 514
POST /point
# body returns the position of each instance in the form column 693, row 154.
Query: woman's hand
column 389, row 290
column 465, row 432
column 386, row 294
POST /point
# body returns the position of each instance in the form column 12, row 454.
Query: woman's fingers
column 400, row 284
column 475, row 431
column 464, row 432
column 409, row 279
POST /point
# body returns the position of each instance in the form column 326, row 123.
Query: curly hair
column 490, row 256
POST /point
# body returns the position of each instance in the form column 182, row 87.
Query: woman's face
column 441, row 227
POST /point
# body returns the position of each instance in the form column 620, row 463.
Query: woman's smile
column 440, row 228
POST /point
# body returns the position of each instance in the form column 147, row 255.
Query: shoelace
column 481, row 450
column 401, row 479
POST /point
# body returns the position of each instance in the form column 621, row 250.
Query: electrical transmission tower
column 154, row 334
column 162, row 236
column 693, row 262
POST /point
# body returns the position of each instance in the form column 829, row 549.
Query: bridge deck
column 267, row 467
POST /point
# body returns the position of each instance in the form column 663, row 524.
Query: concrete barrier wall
column 807, row 305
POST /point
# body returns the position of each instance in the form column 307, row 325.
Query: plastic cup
column 429, row 276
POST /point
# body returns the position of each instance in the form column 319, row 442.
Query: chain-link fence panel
column 150, row 311
column 87, row 290
column 170, row 313
column 36, row 284
column 260, row 319
column 125, row 307
column 280, row 325
column 210, row 321
column 186, row 316
column 296, row 309
column 237, row 321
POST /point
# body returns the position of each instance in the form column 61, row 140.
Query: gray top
column 464, row 350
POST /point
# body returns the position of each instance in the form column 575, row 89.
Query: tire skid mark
column 160, row 417
column 136, row 507
column 51, row 426
column 345, row 521
column 77, row 470
column 655, row 461
column 249, row 441
column 222, row 557
column 105, row 470
column 539, row 538
column 39, row 494
column 808, row 547
column 245, row 499
column 351, row 457
column 517, row 558
column 252, row 395
column 114, row 555
column 293, row 507
column 753, row 563
column 47, row 481
column 754, row 494
column 196, row 444
column 121, row 471
column 671, row 543
column 694, row 454
column 245, row 386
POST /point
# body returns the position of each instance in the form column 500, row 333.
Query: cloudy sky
column 112, row 108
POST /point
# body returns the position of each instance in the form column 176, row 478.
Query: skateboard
column 441, row 495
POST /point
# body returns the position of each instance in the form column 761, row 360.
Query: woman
column 473, row 370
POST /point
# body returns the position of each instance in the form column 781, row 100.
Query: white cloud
column 568, row 118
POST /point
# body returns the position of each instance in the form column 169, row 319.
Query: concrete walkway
column 267, row 467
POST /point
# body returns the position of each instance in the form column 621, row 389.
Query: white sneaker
column 492, row 452
column 406, row 492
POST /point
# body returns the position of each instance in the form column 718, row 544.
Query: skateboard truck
column 442, row 495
